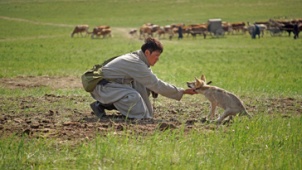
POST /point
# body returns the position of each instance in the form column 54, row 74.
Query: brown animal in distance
column 79, row 29
column 102, row 30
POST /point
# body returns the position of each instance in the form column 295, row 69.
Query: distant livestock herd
column 273, row 27
column 103, row 31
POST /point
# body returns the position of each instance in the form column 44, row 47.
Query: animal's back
column 224, row 99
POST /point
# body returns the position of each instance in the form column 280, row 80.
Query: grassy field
column 266, row 73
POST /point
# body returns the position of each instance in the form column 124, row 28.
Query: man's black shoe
column 98, row 110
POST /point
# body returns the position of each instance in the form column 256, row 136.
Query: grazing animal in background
column 200, row 29
column 144, row 31
column 194, row 33
column 161, row 32
column 288, row 27
column 104, row 33
column 231, row 104
column 102, row 30
column 147, row 30
column 80, row 29
column 237, row 27
column 133, row 32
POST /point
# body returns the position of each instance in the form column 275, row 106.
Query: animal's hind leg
column 225, row 114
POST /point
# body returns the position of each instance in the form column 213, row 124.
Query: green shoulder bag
column 93, row 76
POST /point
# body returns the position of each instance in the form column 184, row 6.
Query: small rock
column 35, row 125
column 18, row 120
column 166, row 126
column 119, row 127
column 27, row 132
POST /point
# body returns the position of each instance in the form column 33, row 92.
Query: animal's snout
column 189, row 85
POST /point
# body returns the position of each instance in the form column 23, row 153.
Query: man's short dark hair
column 152, row 44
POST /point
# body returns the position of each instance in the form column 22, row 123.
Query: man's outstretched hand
column 189, row 91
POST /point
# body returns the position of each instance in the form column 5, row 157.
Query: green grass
column 243, row 145
column 35, row 41
column 269, row 65
column 133, row 13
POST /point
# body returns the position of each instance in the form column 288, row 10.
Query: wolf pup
column 219, row 97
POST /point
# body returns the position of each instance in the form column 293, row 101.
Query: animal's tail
column 247, row 113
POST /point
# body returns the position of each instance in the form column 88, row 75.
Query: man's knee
column 131, row 98
column 132, row 105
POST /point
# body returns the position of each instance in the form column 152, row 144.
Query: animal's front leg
column 212, row 111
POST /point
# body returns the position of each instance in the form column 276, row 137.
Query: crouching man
column 128, row 81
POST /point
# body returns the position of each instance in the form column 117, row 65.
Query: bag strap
column 108, row 60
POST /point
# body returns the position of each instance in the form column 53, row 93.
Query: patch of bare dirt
column 41, row 81
column 48, row 117
column 70, row 118
column 34, row 22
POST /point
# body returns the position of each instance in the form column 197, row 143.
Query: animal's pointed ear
column 203, row 77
